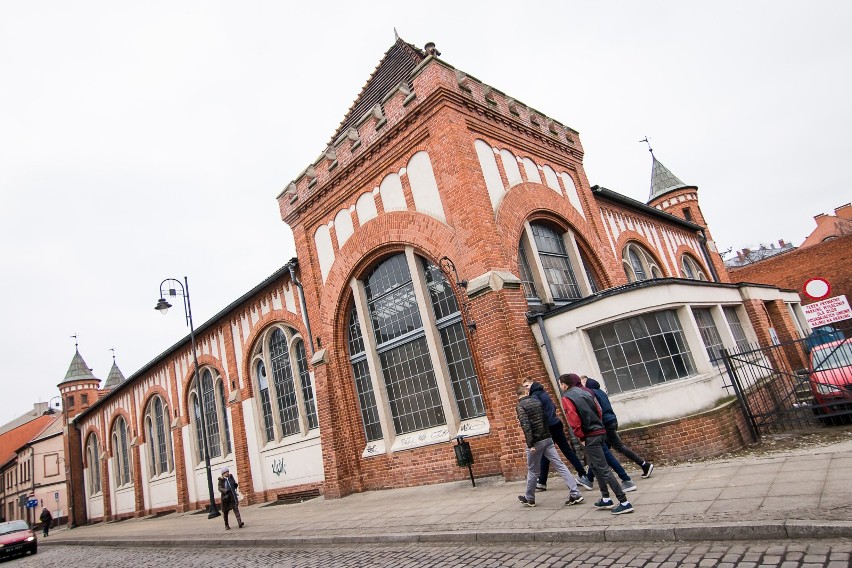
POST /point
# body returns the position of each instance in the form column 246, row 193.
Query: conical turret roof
column 78, row 370
column 662, row 180
column 115, row 377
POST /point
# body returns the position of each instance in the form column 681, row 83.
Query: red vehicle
column 830, row 376
column 16, row 537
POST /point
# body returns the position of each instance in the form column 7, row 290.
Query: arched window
column 286, row 402
column 691, row 269
column 209, row 398
column 120, row 453
column 639, row 264
column 160, row 456
column 552, row 265
column 93, row 460
column 417, row 349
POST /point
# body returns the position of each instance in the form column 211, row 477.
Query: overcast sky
column 146, row 140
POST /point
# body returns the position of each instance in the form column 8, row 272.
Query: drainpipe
column 292, row 266
column 547, row 346
column 702, row 238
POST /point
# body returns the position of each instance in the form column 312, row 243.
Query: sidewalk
column 803, row 493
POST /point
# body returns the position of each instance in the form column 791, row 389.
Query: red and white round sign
column 817, row 288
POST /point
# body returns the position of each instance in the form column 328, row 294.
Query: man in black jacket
column 539, row 442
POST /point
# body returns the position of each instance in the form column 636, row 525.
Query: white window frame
column 691, row 268
column 302, row 380
column 152, row 438
column 226, row 447
column 390, row 441
column 650, row 267
column 537, row 270
column 93, row 458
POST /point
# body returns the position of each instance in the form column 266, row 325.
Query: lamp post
column 182, row 289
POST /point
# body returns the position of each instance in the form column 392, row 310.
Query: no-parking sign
column 817, row 288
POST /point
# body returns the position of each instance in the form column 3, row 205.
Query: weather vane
column 75, row 342
column 648, row 142
column 113, row 353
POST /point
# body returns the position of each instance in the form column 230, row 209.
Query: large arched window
column 413, row 368
column 208, row 398
column 120, row 452
column 639, row 264
column 160, row 456
column 690, row 268
column 286, row 391
column 552, row 265
column 93, row 460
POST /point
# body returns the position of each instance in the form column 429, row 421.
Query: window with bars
column 287, row 402
column 709, row 334
column 641, row 351
column 554, row 278
column 407, row 365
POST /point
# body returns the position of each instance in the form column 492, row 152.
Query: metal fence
column 793, row 385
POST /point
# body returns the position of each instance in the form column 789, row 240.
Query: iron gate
column 796, row 384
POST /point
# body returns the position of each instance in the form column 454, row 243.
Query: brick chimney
column 844, row 211
column 781, row 243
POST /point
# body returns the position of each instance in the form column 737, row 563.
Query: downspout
column 292, row 266
column 702, row 238
column 547, row 346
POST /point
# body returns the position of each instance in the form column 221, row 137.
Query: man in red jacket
column 585, row 417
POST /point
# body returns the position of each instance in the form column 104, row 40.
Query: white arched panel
column 325, row 252
column 571, row 192
column 510, row 166
column 366, row 207
column 343, row 226
column 489, row 169
column 424, row 188
column 531, row 170
column 551, row 180
column 391, row 190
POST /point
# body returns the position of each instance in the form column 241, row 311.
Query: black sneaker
column 585, row 482
column 528, row 502
column 647, row 470
column 574, row 499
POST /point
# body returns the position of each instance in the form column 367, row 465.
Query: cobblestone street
column 787, row 554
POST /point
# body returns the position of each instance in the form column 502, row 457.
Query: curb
column 768, row 530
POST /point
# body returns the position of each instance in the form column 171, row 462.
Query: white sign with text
column 827, row 311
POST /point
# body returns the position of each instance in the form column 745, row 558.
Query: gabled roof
column 662, row 180
column 78, row 370
column 394, row 68
column 115, row 377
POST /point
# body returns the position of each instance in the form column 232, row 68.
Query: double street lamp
column 176, row 288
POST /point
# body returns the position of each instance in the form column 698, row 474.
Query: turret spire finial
column 76, row 345
column 648, row 142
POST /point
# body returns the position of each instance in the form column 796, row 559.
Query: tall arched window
column 417, row 349
column 208, row 398
column 93, row 460
column 690, row 268
column 552, row 265
column 639, row 264
column 120, row 453
column 160, row 456
column 284, row 383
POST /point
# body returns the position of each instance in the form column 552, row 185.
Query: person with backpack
column 46, row 518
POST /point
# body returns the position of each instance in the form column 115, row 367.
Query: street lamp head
column 162, row 306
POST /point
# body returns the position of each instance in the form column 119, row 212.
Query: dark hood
column 592, row 384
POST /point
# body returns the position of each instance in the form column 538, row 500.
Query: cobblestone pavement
column 783, row 554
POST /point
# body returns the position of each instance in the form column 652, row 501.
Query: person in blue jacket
column 610, row 421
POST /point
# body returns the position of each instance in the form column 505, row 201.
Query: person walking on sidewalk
column 539, row 442
column 557, row 433
column 610, row 421
column 584, row 416
column 46, row 518
column 230, row 498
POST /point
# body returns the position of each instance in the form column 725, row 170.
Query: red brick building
column 448, row 245
column 824, row 253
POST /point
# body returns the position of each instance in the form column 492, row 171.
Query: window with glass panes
column 160, row 456
column 208, row 397
column 639, row 264
column 398, row 338
column 556, row 264
column 736, row 327
column 641, row 351
column 709, row 334
column 121, row 461
column 93, row 461
column 287, row 404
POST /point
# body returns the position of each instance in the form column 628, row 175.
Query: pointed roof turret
column 662, row 180
column 394, row 68
column 115, row 378
column 78, row 370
